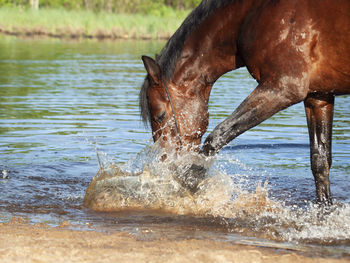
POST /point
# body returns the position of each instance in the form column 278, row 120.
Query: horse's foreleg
column 261, row 104
column 319, row 113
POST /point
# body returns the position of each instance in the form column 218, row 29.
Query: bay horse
column 296, row 50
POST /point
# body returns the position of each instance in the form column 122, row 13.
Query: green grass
column 80, row 23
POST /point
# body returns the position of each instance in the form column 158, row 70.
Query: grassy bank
column 87, row 24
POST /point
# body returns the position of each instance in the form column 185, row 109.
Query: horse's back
column 299, row 38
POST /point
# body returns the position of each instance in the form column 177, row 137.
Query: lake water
column 63, row 102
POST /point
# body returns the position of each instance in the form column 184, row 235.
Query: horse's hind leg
column 319, row 113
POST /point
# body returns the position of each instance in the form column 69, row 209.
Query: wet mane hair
column 173, row 49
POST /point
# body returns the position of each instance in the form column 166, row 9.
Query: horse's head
column 176, row 108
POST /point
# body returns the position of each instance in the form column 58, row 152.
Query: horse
column 296, row 50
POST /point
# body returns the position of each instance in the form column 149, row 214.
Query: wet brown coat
column 297, row 50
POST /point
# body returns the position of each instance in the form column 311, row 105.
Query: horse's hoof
column 191, row 176
column 324, row 202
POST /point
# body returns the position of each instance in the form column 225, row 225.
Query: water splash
column 145, row 183
column 320, row 225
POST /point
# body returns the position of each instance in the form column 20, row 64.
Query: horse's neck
column 211, row 50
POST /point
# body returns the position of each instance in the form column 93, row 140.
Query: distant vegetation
column 112, row 19
column 153, row 7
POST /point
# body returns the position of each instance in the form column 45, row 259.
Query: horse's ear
column 152, row 68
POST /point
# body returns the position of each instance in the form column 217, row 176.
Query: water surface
column 62, row 102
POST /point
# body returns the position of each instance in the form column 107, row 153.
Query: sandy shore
column 20, row 242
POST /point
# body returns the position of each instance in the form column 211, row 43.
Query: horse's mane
column 173, row 48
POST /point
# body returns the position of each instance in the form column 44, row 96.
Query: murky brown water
column 60, row 102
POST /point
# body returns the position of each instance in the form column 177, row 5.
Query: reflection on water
column 60, row 102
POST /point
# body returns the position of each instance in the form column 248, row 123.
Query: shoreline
column 80, row 24
column 37, row 33
column 21, row 242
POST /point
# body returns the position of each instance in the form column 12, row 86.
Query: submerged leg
column 319, row 114
column 262, row 103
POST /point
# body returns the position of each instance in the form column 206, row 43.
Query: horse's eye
column 160, row 117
